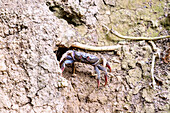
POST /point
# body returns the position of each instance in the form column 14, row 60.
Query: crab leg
column 98, row 78
column 105, row 75
column 98, row 73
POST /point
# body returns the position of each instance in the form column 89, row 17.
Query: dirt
column 30, row 77
column 129, row 88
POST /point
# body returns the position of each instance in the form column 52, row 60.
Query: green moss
column 157, row 8
column 166, row 22
column 138, row 3
column 152, row 33
column 143, row 14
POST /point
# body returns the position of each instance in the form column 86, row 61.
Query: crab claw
column 105, row 76
column 62, row 69
column 69, row 52
column 105, row 63
column 98, row 81
column 108, row 65
column 63, row 65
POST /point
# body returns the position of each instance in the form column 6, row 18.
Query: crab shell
column 72, row 56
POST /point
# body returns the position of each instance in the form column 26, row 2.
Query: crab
column 72, row 56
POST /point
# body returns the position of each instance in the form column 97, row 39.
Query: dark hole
column 158, row 82
column 60, row 52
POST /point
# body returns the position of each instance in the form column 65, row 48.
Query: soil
column 121, row 93
column 33, row 32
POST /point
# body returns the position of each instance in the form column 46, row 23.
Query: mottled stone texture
column 29, row 70
column 30, row 77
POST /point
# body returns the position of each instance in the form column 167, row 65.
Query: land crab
column 72, row 56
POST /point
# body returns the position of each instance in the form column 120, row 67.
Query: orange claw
column 108, row 65
column 105, row 80
column 98, row 81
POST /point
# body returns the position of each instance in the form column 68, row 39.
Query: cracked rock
column 147, row 94
column 134, row 76
column 102, row 98
column 110, row 2
column 92, row 97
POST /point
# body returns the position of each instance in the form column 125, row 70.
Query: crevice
column 60, row 52
column 71, row 17
column 140, row 66
column 30, row 101
column 78, row 98
column 108, row 4
column 36, row 94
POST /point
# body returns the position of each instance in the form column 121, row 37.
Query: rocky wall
column 30, row 77
column 29, row 70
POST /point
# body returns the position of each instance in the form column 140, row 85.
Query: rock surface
column 30, row 77
column 29, row 70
